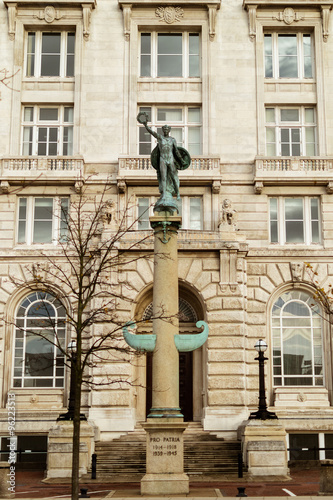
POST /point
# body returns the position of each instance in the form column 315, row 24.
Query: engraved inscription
column 166, row 446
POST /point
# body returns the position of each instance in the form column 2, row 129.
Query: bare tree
column 81, row 278
column 6, row 78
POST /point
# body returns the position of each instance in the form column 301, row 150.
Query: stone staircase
column 204, row 454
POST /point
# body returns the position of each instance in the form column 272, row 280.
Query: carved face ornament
column 289, row 15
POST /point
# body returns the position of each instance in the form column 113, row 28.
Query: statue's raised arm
column 143, row 119
column 166, row 158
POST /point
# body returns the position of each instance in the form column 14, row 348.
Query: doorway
column 185, row 384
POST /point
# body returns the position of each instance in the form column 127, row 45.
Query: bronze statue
column 166, row 158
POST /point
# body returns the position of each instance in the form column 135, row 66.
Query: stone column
column 165, row 390
column 165, row 426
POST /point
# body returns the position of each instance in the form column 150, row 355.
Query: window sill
column 170, row 79
column 301, row 397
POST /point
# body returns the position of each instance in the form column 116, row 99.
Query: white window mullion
column 282, row 221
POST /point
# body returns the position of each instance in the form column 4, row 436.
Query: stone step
column 204, row 454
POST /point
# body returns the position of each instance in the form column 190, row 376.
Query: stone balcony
column 40, row 170
column 293, row 170
column 138, row 170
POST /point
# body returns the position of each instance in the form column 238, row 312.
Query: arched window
column 40, row 328
column 187, row 313
column 297, row 340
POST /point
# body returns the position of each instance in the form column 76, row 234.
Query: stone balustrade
column 300, row 169
column 198, row 163
column 41, row 167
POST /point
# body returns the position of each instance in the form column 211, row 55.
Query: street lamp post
column 69, row 415
column 262, row 413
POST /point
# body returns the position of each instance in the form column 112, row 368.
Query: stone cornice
column 152, row 3
column 42, row 3
column 287, row 3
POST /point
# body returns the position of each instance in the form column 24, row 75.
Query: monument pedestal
column 265, row 448
column 165, row 459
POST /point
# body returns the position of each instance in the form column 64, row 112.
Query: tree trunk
column 76, row 436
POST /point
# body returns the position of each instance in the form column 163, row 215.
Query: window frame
column 278, row 363
column 185, row 125
column 308, row 220
column 34, row 126
column 185, row 55
column 61, row 204
column 300, row 55
column 64, row 54
column 22, row 330
column 278, row 125
column 184, row 212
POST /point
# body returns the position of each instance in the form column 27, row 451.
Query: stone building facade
column 245, row 86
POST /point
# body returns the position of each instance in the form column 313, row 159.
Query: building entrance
column 185, row 384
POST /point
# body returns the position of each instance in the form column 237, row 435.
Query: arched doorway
column 189, row 362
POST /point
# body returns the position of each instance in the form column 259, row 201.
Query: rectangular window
column 47, row 131
column 185, row 123
column 288, row 55
column 42, row 220
column 190, row 209
column 291, row 131
column 294, row 220
column 170, row 55
column 50, row 54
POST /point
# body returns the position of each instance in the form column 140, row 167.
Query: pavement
column 302, row 483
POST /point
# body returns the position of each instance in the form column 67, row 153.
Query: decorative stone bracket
column 170, row 13
column 287, row 16
column 232, row 268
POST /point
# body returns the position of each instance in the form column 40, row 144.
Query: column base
column 165, row 484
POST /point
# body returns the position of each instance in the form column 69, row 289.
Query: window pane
column 145, row 54
column 195, row 213
column 273, row 220
column 309, row 115
column 294, row 220
column 46, row 114
column 194, row 115
column 27, row 141
column 289, row 115
column 50, row 64
column 270, row 115
column 22, row 220
column 143, row 213
column 307, row 49
column 28, row 114
column 169, row 58
column 169, row 115
column 43, row 213
column 69, row 115
column 170, row 43
column 287, row 47
column 64, row 206
column 70, row 54
column 144, row 141
column 31, row 54
column 268, row 56
column 194, row 57
column 67, row 141
column 315, row 237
